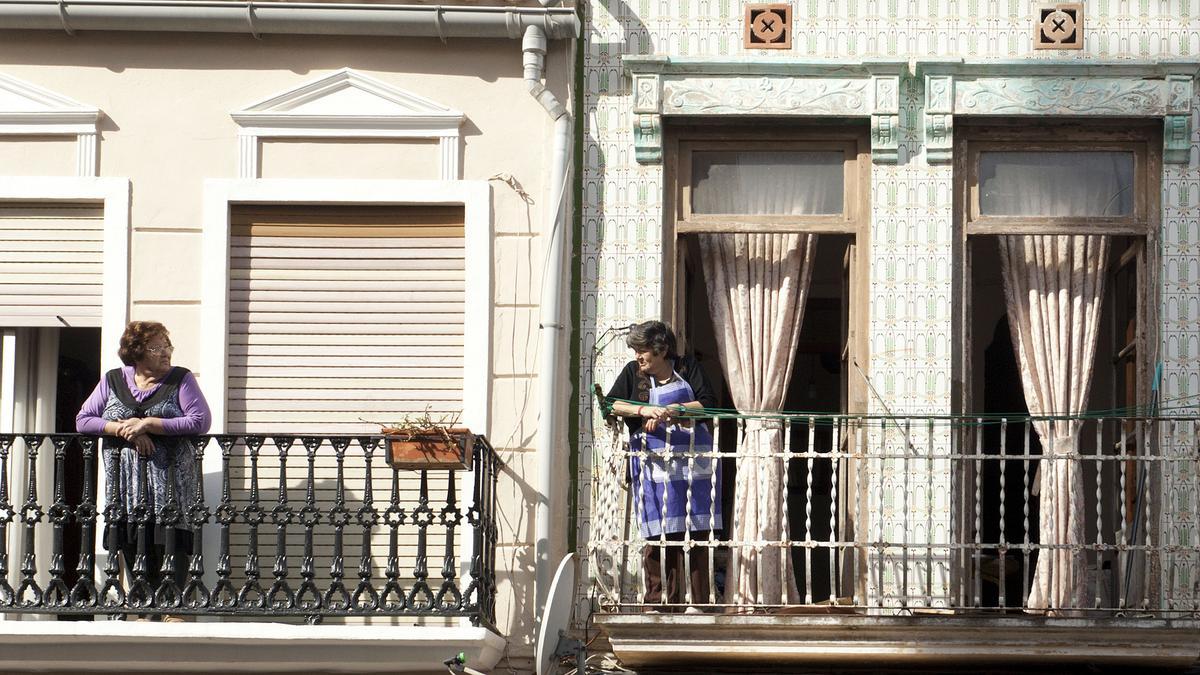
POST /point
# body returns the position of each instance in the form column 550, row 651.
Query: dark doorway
column 817, row 386
column 78, row 373
column 1003, row 484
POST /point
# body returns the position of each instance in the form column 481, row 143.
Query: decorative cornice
column 1154, row 89
column 55, row 121
column 268, row 122
column 685, row 65
column 1052, row 67
column 779, row 87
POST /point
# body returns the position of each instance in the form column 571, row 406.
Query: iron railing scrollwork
column 395, row 545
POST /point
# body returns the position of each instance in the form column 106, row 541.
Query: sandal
column 167, row 618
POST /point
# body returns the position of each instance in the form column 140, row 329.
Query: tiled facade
column 912, row 244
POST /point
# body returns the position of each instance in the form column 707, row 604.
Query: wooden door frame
column 682, row 139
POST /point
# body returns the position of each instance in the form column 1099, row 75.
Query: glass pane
column 1056, row 183
column 767, row 183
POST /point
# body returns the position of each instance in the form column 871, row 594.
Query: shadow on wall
column 515, row 562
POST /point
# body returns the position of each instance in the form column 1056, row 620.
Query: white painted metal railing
column 914, row 514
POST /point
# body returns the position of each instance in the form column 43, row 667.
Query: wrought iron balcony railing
column 425, row 550
column 950, row 514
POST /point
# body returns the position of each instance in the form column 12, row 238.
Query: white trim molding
column 29, row 110
column 114, row 193
column 348, row 104
column 476, row 199
column 1046, row 88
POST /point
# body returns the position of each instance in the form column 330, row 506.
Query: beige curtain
column 757, row 287
column 1053, row 286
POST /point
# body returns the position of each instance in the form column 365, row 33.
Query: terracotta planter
column 431, row 449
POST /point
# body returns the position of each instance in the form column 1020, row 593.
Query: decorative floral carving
column 1179, row 90
column 778, row 95
column 645, row 93
column 937, row 93
column 1062, row 96
column 887, row 94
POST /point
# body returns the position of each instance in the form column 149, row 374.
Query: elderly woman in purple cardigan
column 147, row 408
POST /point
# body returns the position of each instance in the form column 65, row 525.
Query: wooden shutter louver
column 338, row 314
column 51, row 261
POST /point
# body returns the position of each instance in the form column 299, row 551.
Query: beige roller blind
column 338, row 313
column 51, row 260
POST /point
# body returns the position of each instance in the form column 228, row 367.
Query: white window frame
column 114, row 194
column 475, row 197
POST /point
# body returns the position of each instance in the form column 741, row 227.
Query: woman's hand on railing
column 656, row 416
column 143, row 445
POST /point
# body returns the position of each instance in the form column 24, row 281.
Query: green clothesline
column 964, row 420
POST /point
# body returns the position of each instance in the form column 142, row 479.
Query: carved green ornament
column 663, row 86
column 1078, row 88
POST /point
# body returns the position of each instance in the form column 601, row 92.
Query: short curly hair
column 136, row 337
column 654, row 336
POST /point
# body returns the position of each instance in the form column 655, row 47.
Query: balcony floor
column 241, row 647
column 672, row 640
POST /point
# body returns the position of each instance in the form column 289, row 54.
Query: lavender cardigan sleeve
column 196, row 418
column 89, row 420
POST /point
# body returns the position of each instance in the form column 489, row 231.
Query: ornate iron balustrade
column 916, row 513
column 429, row 516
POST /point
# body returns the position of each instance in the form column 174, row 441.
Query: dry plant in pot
column 422, row 442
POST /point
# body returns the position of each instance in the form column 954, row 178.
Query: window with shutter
column 50, row 264
column 340, row 314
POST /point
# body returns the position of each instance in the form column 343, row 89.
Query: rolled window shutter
column 342, row 313
column 339, row 314
column 51, row 260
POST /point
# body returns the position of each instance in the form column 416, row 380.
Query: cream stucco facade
column 165, row 127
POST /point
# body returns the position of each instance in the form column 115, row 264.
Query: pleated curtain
column 1053, row 287
column 758, row 284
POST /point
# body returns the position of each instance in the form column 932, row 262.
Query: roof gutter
column 294, row 18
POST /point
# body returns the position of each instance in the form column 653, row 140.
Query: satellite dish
column 555, row 616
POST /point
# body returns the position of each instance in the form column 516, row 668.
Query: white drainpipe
column 553, row 281
column 311, row 18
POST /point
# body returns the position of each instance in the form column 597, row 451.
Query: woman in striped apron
column 676, row 482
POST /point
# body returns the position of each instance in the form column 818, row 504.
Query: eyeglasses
column 165, row 349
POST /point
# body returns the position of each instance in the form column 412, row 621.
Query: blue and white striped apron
column 671, row 466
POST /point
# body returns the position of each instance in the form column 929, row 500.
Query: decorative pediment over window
column 29, row 110
column 347, row 104
column 1087, row 89
column 671, row 86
